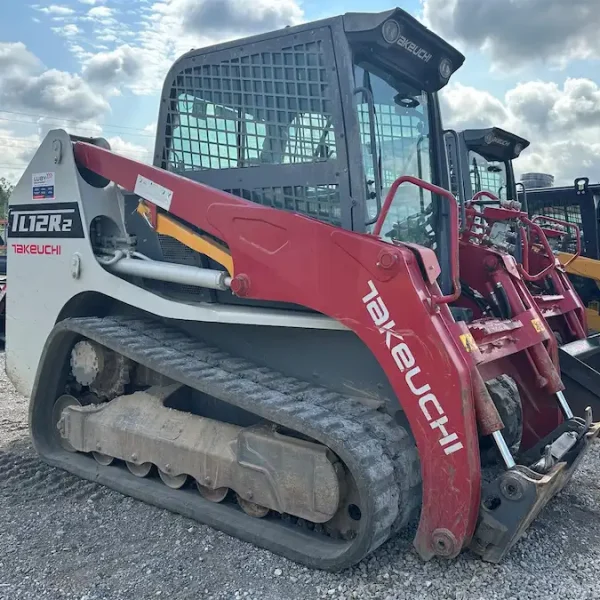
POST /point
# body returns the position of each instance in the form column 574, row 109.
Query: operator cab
column 319, row 119
column 486, row 155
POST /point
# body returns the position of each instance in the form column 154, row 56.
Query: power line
column 29, row 146
column 93, row 133
column 37, row 116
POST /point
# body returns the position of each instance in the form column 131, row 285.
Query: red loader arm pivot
column 454, row 227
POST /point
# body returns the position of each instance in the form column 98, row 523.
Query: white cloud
column 171, row 27
column 55, row 9
column 516, row 32
column 17, row 150
column 124, row 66
column 565, row 159
column 92, row 2
column 15, row 58
column 26, row 85
column 231, row 17
column 100, row 12
column 467, row 107
column 561, row 122
column 68, row 31
column 82, row 128
column 131, row 150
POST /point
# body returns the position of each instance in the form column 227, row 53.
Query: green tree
column 6, row 189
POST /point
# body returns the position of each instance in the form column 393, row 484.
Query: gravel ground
column 61, row 537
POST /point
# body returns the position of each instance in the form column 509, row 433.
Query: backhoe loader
column 266, row 329
column 482, row 177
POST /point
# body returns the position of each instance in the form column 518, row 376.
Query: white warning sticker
column 153, row 192
column 42, row 186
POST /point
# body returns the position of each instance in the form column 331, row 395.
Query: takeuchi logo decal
column 37, row 249
column 490, row 138
column 407, row 365
column 392, row 34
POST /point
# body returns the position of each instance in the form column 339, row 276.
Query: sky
column 96, row 68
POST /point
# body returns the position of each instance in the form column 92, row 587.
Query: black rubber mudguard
column 580, row 372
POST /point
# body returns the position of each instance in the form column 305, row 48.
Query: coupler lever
column 554, row 452
column 555, row 447
column 511, row 502
column 564, row 443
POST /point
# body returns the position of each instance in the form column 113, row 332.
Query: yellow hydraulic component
column 593, row 318
column 590, row 269
column 168, row 226
column 582, row 266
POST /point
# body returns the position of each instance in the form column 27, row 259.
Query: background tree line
column 6, row 189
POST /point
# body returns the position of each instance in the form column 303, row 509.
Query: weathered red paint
column 563, row 310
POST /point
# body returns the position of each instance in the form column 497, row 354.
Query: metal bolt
column 167, row 468
column 98, row 446
column 240, row 285
column 134, row 457
column 250, row 495
column 387, row 260
column 207, row 480
column 444, row 543
column 76, row 266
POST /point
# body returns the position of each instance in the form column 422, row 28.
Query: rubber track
column 380, row 454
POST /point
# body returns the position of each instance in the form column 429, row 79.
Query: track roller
column 173, row 481
column 217, row 495
column 141, row 470
column 103, row 459
column 254, row 510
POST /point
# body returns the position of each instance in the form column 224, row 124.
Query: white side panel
column 40, row 273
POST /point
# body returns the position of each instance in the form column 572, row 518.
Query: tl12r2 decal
column 49, row 220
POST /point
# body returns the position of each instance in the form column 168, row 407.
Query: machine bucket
column 580, row 371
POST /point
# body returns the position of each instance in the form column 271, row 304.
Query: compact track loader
column 266, row 331
column 482, row 177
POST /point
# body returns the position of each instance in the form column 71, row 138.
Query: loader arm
column 278, row 256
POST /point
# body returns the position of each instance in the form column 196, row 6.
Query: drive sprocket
column 104, row 372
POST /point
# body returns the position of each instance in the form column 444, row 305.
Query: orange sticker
column 468, row 342
column 537, row 325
